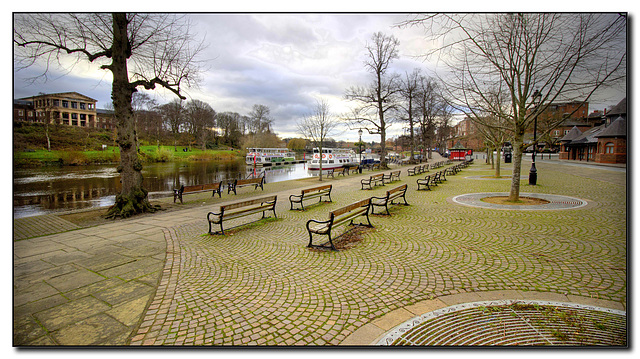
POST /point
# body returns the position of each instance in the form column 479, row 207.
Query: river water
column 53, row 189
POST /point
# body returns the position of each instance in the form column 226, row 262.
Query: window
column 74, row 104
column 65, row 103
column 56, row 102
column 556, row 133
column 608, row 147
column 83, row 106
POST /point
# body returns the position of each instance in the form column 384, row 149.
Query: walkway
column 160, row 280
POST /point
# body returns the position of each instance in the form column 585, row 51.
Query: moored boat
column 268, row 156
column 332, row 158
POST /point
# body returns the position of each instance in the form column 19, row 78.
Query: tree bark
column 514, row 194
column 133, row 197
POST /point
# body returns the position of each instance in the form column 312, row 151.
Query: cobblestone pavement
column 260, row 285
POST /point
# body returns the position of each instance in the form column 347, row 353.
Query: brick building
column 606, row 143
column 466, row 134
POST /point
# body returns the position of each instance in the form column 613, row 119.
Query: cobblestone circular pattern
column 511, row 322
column 556, row 202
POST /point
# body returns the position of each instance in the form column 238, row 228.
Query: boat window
column 331, row 161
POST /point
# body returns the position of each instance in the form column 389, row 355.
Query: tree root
column 128, row 205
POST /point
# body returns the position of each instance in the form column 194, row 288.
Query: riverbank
column 111, row 155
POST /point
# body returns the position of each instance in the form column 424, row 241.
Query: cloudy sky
column 283, row 61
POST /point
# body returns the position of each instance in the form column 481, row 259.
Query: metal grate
column 516, row 324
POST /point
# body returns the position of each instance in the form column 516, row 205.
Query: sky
column 284, row 61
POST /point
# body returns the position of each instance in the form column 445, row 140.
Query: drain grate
column 517, row 323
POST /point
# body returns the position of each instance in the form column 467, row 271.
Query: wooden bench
column 342, row 171
column 372, row 180
column 329, row 173
column 354, row 169
column 310, row 193
column 427, row 182
column 392, row 176
column 374, row 166
column 392, row 195
column 241, row 209
column 337, row 218
column 417, row 170
column 439, row 177
column 213, row 187
column 257, row 182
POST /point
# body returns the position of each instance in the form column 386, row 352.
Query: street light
column 360, row 150
column 533, row 173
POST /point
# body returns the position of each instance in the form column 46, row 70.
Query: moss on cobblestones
column 429, row 249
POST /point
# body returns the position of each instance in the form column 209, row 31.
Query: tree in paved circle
column 566, row 56
column 140, row 50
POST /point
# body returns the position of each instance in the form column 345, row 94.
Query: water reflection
column 51, row 189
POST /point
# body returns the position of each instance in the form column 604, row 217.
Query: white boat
column 332, row 158
column 268, row 156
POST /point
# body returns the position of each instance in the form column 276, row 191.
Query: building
column 466, row 134
column 23, row 111
column 606, row 143
column 67, row 108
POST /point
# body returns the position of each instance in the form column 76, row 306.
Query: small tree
column 318, row 126
column 409, row 91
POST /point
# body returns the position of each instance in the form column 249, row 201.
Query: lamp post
column 533, row 173
column 360, row 150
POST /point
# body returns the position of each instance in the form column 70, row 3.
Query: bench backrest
column 319, row 188
column 196, row 187
column 249, row 181
column 377, row 176
column 248, row 202
column 351, row 207
column 399, row 188
column 395, row 172
column 216, row 185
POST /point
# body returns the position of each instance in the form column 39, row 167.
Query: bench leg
column 221, row 229
column 331, row 242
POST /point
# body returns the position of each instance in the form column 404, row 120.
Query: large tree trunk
column 132, row 198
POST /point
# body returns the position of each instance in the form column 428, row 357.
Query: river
column 46, row 190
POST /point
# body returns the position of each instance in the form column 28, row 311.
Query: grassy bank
column 147, row 154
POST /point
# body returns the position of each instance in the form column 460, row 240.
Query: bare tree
column 568, row 57
column 140, row 50
column 200, row 117
column 380, row 98
column 260, row 119
column 495, row 130
column 409, row 92
column 318, row 126
column 173, row 114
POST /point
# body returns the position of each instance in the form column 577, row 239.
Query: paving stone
column 95, row 330
column 73, row 280
column 71, row 312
